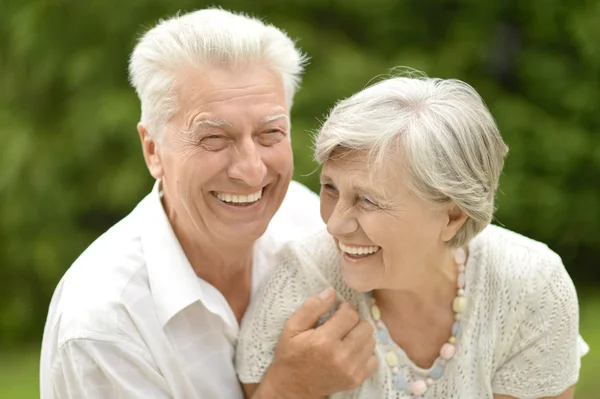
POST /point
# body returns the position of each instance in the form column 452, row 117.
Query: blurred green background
column 71, row 165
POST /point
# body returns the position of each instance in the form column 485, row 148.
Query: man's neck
column 226, row 266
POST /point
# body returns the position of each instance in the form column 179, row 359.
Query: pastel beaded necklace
column 418, row 386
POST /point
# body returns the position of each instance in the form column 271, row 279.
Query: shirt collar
column 173, row 282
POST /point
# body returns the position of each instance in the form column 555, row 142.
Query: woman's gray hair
column 211, row 36
column 448, row 139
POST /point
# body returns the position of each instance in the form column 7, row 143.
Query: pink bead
column 447, row 351
column 462, row 279
column 460, row 256
column 418, row 387
column 379, row 324
column 429, row 382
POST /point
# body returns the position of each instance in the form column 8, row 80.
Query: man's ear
column 456, row 218
column 151, row 155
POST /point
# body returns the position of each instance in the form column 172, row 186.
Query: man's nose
column 247, row 164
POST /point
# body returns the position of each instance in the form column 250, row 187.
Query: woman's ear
column 151, row 155
column 455, row 219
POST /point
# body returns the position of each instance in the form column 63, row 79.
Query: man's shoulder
column 299, row 200
column 298, row 215
column 91, row 297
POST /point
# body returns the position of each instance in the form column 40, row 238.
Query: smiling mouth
column 358, row 252
column 239, row 200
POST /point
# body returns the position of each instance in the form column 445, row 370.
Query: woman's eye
column 368, row 201
column 329, row 187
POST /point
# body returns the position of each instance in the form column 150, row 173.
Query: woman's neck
column 431, row 289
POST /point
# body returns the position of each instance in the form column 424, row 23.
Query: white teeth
column 359, row 250
column 239, row 199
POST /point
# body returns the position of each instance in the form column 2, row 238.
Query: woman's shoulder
column 526, row 305
column 518, row 276
column 514, row 258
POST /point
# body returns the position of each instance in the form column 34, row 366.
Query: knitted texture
column 519, row 334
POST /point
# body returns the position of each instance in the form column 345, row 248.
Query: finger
column 365, row 370
column 342, row 321
column 370, row 367
column 361, row 332
column 360, row 339
column 310, row 312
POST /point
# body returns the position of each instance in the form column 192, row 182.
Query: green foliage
column 71, row 166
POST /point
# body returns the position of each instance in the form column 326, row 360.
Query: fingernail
column 326, row 294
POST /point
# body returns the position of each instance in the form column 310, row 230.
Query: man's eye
column 270, row 137
column 214, row 143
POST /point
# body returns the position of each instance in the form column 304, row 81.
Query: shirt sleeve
column 544, row 359
column 95, row 369
column 281, row 293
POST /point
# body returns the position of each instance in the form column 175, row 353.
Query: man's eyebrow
column 272, row 118
column 201, row 123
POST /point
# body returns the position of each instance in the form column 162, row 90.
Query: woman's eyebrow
column 325, row 179
column 379, row 193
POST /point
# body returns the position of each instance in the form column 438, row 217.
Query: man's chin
column 243, row 232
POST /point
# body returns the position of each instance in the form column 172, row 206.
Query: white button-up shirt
column 130, row 318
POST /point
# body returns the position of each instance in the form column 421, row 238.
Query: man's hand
column 315, row 362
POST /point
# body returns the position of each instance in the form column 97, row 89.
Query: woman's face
column 388, row 238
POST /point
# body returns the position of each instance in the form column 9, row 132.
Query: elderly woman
column 460, row 308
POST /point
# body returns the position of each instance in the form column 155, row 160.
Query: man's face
column 225, row 158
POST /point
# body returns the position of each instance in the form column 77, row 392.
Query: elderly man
column 152, row 308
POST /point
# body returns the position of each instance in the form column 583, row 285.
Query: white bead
column 459, row 304
column 391, row 359
column 375, row 313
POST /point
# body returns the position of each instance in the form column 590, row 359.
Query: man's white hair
column 442, row 130
column 206, row 37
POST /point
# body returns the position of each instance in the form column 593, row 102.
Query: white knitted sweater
column 519, row 334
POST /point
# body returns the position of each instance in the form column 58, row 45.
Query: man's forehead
column 216, row 83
